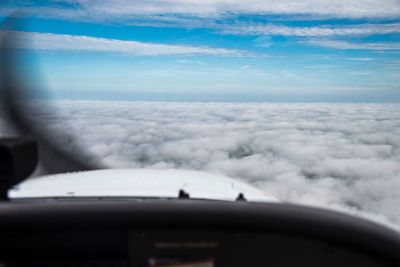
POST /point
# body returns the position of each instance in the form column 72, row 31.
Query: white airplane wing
column 140, row 183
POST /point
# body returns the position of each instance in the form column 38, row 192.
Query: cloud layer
column 105, row 10
column 313, row 31
column 346, row 45
column 66, row 42
column 332, row 19
column 342, row 156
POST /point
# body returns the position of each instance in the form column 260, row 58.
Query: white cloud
column 345, row 45
column 106, row 10
column 359, row 59
column 51, row 41
column 342, row 156
column 263, row 41
column 271, row 29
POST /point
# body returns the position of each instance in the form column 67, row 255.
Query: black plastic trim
column 288, row 219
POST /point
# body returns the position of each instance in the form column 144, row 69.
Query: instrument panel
column 174, row 248
column 187, row 233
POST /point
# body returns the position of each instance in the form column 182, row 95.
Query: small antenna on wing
column 183, row 194
column 241, row 197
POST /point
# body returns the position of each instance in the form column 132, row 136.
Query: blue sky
column 226, row 50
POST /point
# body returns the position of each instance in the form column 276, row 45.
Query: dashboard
column 174, row 248
column 119, row 233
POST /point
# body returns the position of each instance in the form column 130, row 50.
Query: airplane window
column 265, row 101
